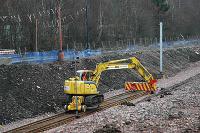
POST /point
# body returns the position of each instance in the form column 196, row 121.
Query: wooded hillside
column 108, row 20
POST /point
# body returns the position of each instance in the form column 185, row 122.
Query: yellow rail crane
column 82, row 91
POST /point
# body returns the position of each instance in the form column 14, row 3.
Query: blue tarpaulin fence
column 48, row 56
column 51, row 56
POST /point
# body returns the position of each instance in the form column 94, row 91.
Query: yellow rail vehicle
column 82, row 91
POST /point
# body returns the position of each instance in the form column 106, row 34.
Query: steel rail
column 63, row 118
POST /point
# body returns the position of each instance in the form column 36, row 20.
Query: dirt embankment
column 30, row 90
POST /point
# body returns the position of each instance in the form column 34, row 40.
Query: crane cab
column 82, row 85
column 84, row 89
column 85, row 75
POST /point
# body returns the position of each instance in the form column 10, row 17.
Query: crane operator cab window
column 85, row 75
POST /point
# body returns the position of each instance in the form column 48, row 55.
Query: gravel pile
column 176, row 111
column 27, row 91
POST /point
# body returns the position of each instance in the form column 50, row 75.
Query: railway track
column 63, row 118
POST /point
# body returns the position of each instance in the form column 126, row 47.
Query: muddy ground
column 30, row 90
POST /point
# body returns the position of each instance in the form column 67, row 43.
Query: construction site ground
column 177, row 110
column 28, row 91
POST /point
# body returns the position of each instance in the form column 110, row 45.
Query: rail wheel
column 84, row 108
column 68, row 101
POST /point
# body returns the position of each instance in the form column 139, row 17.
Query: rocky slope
column 30, row 90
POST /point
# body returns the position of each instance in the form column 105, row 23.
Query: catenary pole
column 60, row 53
column 161, row 47
column 60, row 24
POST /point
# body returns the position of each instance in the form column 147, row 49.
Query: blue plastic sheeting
column 49, row 56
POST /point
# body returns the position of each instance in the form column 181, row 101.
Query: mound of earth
column 29, row 90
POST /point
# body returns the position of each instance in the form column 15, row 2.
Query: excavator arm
column 148, row 85
column 131, row 63
column 110, row 65
column 143, row 72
